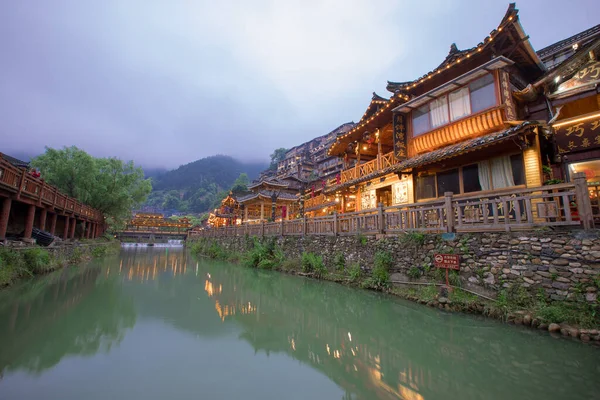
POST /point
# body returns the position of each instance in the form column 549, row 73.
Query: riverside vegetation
column 513, row 303
column 19, row 263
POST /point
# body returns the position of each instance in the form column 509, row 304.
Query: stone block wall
column 560, row 265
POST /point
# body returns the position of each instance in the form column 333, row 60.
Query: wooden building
column 227, row 214
column 456, row 129
column 271, row 200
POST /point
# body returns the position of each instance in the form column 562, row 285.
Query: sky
column 165, row 83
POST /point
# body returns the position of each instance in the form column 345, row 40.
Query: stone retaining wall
column 561, row 265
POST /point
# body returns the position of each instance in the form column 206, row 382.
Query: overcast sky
column 167, row 82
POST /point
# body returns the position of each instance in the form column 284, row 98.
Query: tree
column 241, row 184
column 106, row 184
column 277, row 156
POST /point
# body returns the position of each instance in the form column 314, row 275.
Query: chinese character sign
column 400, row 137
column 579, row 136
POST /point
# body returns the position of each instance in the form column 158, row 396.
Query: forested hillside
column 199, row 185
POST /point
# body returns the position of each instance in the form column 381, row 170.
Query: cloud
column 166, row 83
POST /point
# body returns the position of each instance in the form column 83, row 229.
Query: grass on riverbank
column 512, row 303
column 20, row 263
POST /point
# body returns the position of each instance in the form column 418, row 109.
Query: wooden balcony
column 359, row 171
column 466, row 128
column 18, row 182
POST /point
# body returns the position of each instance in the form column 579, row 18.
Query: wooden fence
column 19, row 182
column 566, row 205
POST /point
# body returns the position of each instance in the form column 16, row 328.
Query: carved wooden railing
column 22, row 184
column 387, row 160
column 566, row 204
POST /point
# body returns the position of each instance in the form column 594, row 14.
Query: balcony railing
column 18, row 181
column 566, row 205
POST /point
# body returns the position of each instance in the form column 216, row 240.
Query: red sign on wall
column 447, row 261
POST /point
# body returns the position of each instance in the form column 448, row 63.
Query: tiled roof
column 268, row 194
column 568, row 42
column 272, row 182
column 441, row 154
column 15, row 161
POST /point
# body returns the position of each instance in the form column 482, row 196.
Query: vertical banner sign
column 399, row 136
column 507, row 100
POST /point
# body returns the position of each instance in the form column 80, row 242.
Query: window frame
column 461, row 181
column 497, row 103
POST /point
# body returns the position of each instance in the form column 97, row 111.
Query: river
column 162, row 324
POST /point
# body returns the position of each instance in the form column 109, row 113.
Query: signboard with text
column 447, row 261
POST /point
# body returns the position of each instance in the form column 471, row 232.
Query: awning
column 443, row 153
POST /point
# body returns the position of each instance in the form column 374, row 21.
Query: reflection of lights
column 336, row 354
column 328, row 351
column 349, row 336
column 352, row 350
column 293, row 344
column 208, row 275
column 356, row 369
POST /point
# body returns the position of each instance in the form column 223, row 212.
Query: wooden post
column 72, row 228
column 42, row 222
column 83, row 230
column 449, row 211
column 262, row 211
column 379, row 166
column 29, row 221
column 380, row 218
column 584, row 206
column 66, row 228
column 53, row 219
column 282, row 222
column 4, row 216
column 335, row 223
column 304, row 225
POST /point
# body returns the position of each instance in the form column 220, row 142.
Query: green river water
column 158, row 323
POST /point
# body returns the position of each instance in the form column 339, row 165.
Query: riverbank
column 541, row 291
column 18, row 263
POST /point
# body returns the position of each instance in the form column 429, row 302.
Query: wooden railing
column 566, row 204
column 19, row 182
column 361, row 170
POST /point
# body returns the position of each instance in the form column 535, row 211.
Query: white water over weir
column 169, row 243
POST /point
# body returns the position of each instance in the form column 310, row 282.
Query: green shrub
column 354, row 272
column 414, row 273
column 291, row 264
column 381, row 270
column 339, row 261
column 76, row 256
column 415, row 238
column 362, row 239
column 312, row 263
column 36, row 260
column 263, row 255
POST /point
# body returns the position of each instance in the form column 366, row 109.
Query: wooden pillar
column 43, row 214
column 449, row 212
column 66, row 228
column 94, row 230
column 584, row 206
column 53, row 219
column 4, row 215
column 88, row 230
column 246, row 214
column 83, row 230
column 262, row 211
column 72, row 228
column 29, row 217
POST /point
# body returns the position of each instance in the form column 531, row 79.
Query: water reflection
column 73, row 311
column 377, row 347
column 371, row 346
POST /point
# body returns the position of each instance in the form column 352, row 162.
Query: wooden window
column 420, row 120
column 425, row 187
column 448, row 181
column 483, row 93
column 518, row 170
column 476, row 96
column 470, row 178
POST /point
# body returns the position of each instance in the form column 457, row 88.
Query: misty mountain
column 199, row 186
column 220, row 170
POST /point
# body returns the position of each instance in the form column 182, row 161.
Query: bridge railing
column 20, row 182
column 566, row 205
